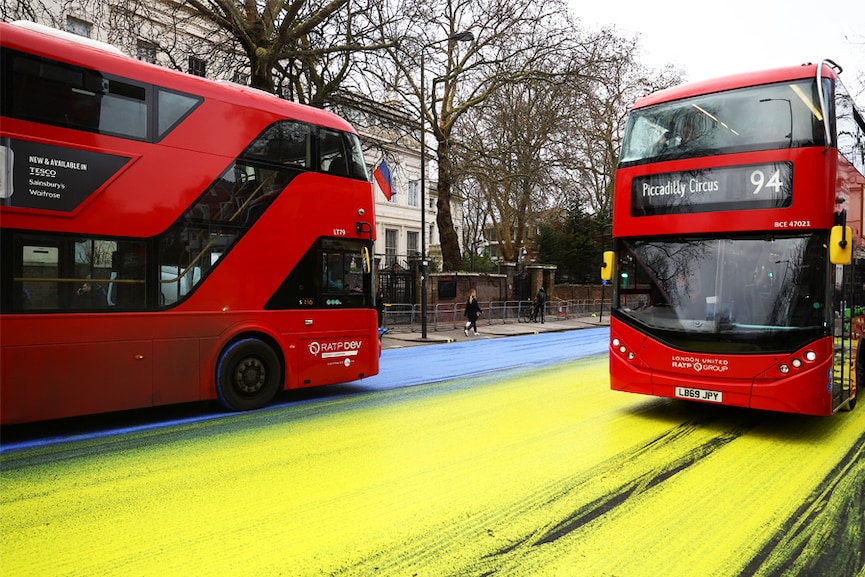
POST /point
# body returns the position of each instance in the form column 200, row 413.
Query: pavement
column 403, row 336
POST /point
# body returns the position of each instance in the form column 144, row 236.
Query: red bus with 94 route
column 168, row 239
column 738, row 261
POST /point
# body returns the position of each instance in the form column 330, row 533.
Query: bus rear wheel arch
column 248, row 374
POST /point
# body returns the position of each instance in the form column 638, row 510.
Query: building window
column 411, row 243
column 197, row 66
column 146, row 51
column 79, row 27
column 240, row 78
column 413, row 191
column 390, row 237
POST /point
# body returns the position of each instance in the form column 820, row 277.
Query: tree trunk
column 451, row 256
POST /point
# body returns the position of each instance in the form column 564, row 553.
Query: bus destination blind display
column 713, row 189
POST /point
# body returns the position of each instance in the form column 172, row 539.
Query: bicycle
column 528, row 314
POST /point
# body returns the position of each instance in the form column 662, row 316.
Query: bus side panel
column 339, row 357
column 64, row 380
column 175, row 372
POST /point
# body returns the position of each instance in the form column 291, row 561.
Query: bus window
column 286, row 143
column 172, row 108
column 333, row 273
column 340, row 154
column 212, row 225
column 850, row 128
column 63, row 273
column 334, row 158
column 757, row 118
column 357, row 166
column 74, row 97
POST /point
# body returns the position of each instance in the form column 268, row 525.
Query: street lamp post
column 466, row 36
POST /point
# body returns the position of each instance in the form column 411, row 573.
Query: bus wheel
column 248, row 375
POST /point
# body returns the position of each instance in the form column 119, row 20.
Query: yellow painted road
column 540, row 473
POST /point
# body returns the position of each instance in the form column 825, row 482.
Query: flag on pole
column 382, row 177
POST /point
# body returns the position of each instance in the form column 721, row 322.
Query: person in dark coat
column 379, row 306
column 540, row 304
column 473, row 310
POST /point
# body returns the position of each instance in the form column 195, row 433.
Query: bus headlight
column 810, row 356
column 784, row 369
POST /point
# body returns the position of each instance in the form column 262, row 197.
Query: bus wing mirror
column 607, row 267
column 841, row 245
column 366, row 263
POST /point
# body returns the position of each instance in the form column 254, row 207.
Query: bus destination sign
column 713, row 189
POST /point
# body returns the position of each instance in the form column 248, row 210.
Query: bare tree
column 593, row 120
column 505, row 151
column 303, row 47
column 513, row 41
column 553, row 141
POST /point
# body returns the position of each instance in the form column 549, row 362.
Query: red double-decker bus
column 168, row 239
column 738, row 259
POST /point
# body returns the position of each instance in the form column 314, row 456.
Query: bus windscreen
column 746, row 292
column 773, row 116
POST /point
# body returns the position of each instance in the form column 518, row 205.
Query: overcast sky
column 714, row 39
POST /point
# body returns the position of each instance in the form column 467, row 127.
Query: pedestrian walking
column 540, row 304
column 473, row 310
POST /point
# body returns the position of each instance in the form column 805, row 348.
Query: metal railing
column 450, row 316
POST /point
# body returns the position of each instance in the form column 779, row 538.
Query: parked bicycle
column 528, row 313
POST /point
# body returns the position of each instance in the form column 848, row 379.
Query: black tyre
column 248, row 375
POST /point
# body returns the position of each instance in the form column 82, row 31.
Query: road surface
column 535, row 470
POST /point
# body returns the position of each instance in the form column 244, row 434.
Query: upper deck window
column 850, row 128
column 52, row 92
column 773, row 116
column 294, row 144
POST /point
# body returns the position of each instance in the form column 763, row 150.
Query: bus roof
column 742, row 80
column 54, row 44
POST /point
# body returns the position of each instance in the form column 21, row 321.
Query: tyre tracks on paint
column 544, row 472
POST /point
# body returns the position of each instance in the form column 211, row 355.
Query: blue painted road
column 402, row 367
column 418, row 365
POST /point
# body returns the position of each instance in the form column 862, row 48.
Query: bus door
column 845, row 348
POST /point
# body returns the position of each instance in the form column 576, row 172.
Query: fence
column 450, row 316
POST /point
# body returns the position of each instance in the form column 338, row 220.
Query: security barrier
column 449, row 316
